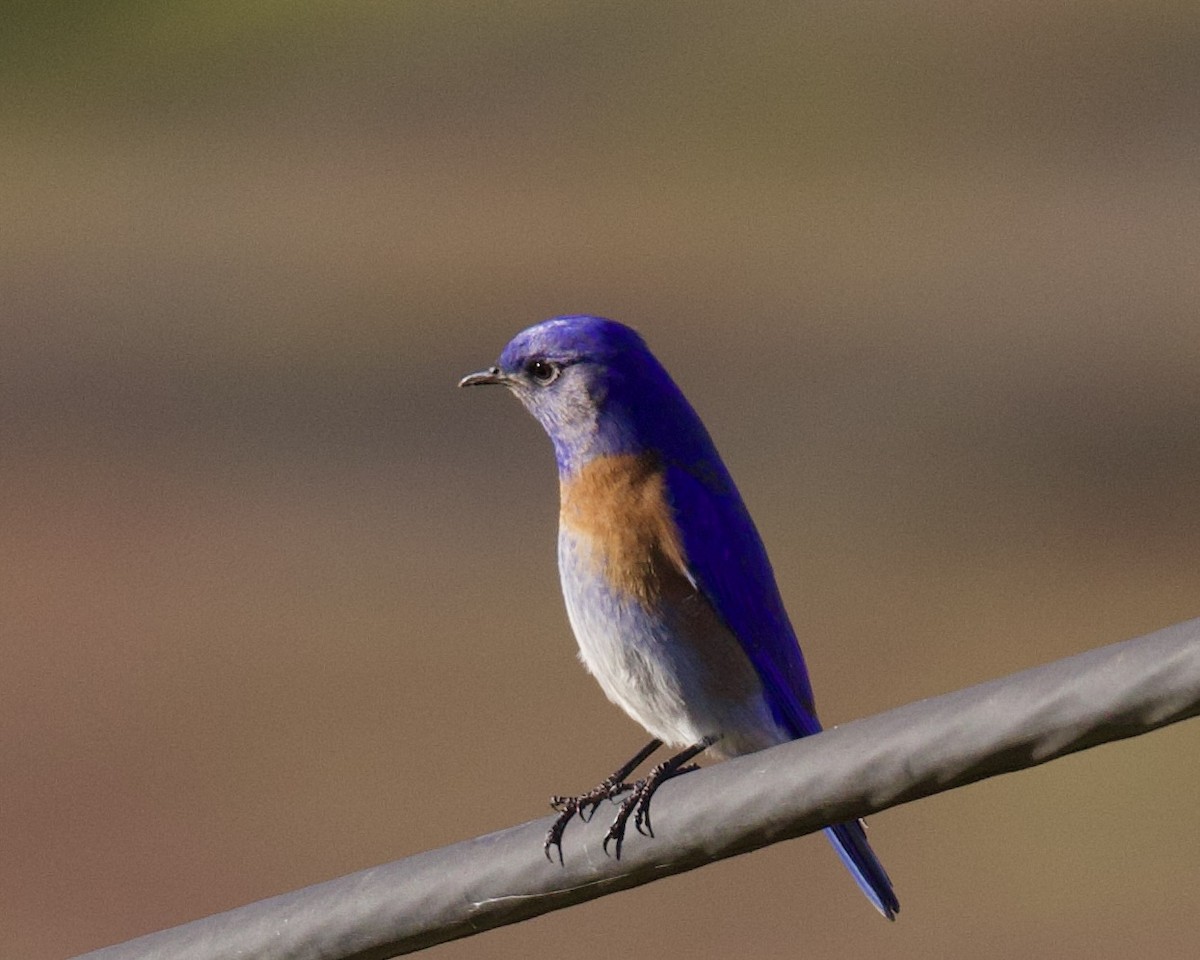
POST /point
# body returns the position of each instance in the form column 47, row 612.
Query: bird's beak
column 490, row 375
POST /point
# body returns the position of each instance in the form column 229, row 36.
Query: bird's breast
column 617, row 506
column 654, row 643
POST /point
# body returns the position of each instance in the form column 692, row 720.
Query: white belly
column 671, row 665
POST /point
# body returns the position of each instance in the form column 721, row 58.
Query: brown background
column 278, row 602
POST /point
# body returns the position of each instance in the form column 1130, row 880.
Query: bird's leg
column 637, row 804
column 586, row 803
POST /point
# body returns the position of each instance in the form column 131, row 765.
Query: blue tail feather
column 850, row 842
column 848, row 839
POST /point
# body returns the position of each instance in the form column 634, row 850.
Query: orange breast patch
column 618, row 506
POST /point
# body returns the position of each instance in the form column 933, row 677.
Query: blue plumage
column 667, row 584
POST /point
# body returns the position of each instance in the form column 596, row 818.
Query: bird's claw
column 637, row 804
column 554, row 836
column 616, row 830
column 584, row 806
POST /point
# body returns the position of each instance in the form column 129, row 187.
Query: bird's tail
column 850, row 842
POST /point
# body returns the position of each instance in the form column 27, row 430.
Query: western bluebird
column 667, row 585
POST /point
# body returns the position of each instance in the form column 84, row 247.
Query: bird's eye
column 542, row 371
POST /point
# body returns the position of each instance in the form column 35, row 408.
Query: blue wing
column 728, row 565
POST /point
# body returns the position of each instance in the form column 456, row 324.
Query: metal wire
column 860, row 768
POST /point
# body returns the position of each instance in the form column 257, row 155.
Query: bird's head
column 591, row 383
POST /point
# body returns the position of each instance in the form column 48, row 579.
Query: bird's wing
column 727, row 563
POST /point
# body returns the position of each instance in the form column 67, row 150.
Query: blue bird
column 667, row 585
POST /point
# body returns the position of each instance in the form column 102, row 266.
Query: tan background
column 279, row 603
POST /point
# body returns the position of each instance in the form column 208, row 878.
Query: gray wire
column 743, row 804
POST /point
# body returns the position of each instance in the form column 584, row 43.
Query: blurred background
column 279, row 603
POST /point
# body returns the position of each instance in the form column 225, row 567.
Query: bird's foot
column 586, row 803
column 584, row 806
column 641, row 818
column 637, row 804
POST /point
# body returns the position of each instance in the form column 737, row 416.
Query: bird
column 667, row 584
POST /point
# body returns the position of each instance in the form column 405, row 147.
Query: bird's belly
column 668, row 662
